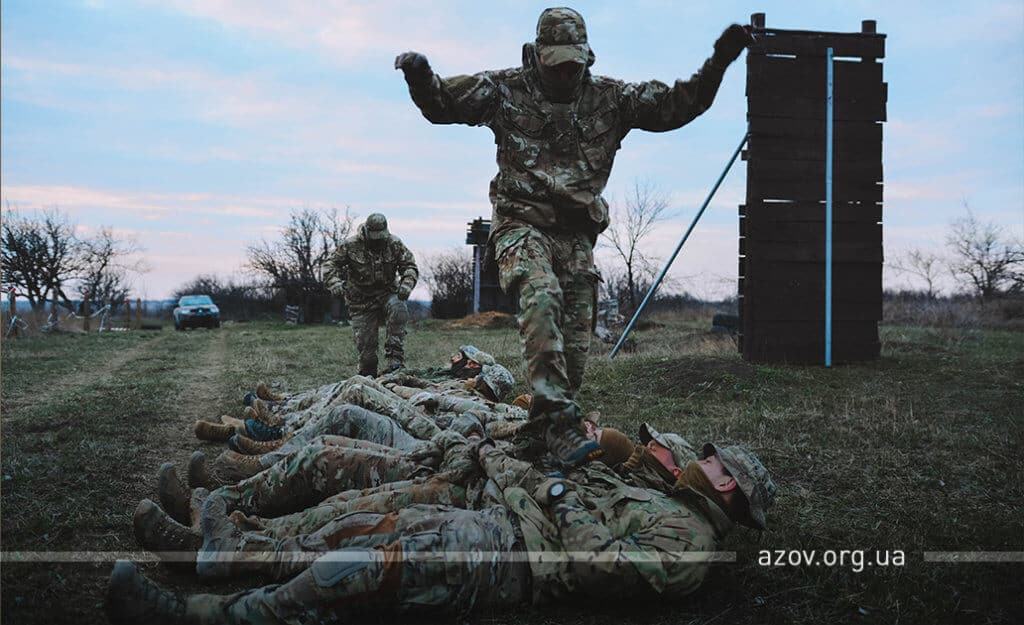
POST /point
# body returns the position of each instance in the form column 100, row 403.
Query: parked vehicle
column 195, row 311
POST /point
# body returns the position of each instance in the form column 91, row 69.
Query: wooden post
column 85, row 311
column 53, row 311
column 138, row 313
column 127, row 313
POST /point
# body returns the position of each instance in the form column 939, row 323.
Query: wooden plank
column 845, row 148
column 811, row 43
column 800, row 309
column 842, row 251
column 806, row 77
column 797, row 332
column 811, row 128
column 814, row 108
column 870, row 171
column 801, row 190
column 855, row 276
column 762, row 351
column 802, row 231
column 866, row 212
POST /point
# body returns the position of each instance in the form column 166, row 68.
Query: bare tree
column 631, row 223
column 449, row 278
column 40, row 255
column 984, row 260
column 107, row 262
column 923, row 264
column 294, row 263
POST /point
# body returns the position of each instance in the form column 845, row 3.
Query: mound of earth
column 485, row 320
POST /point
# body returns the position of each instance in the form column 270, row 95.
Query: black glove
column 415, row 67
column 731, row 43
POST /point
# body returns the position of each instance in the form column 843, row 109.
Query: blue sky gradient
column 195, row 127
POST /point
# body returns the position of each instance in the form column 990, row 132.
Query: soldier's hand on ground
column 732, row 42
column 415, row 67
column 404, row 291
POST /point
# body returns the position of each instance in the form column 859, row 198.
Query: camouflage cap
column 376, row 227
column 682, row 452
column 750, row 475
column 562, row 37
column 498, row 379
column 476, row 355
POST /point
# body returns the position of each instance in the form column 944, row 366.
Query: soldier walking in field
column 558, row 128
column 376, row 272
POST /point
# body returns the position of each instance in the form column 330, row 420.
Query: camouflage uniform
column 378, row 273
column 554, row 159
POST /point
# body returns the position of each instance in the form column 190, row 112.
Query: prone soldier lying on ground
column 534, row 538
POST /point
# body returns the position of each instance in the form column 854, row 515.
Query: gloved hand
column 733, row 41
column 415, row 67
column 403, row 291
column 336, row 285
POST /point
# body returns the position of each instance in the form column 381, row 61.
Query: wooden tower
column 783, row 251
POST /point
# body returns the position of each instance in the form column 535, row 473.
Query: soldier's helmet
column 476, row 355
column 562, row 37
column 376, row 227
column 751, row 476
column 497, row 379
column 682, row 451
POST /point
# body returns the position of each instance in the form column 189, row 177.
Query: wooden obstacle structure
column 782, row 247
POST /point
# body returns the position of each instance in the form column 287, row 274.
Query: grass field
column 919, row 452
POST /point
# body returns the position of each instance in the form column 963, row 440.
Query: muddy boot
column 245, row 445
column 205, row 475
column 173, row 493
column 262, row 432
column 237, row 424
column 259, row 411
column 569, row 444
column 207, row 431
column 221, row 540
column 235, row 466
column 132, row 599
column 175, row 544
column 264, row 393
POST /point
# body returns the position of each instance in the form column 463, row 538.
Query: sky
column 196, row 127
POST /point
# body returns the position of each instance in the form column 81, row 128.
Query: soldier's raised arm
column 655, row 106
column 456, row 100
column 407, row 271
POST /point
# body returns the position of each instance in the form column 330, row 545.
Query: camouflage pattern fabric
column 441, row 558
column 373, row 275
column 554, row 159
column 310, row 475
column 605, row 535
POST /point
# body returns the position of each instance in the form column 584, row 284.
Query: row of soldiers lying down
column 423, row 490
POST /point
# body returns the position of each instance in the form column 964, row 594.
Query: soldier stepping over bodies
column 531, row 544
column 558, row 127
column 375, row 272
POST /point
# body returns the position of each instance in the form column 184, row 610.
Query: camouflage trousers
column 557, row 283
column 308, row 476
column 350, row 421
column 367, row 311
column 426, row 557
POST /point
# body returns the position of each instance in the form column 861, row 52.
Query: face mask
column 557, row 85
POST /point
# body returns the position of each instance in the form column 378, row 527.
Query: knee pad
column 344, row 566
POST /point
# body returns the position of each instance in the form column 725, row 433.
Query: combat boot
column 260, row 412
column 200, row 475
column 264, row 393
column 261, row 432
column 133, row 599
column 173, row 494
column 236, row 467
column 207, row 431
column 221, row 539
column 569, row 444
column 175, row 544
column 245, row 445
column 394, row 364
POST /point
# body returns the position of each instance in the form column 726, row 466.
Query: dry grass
column 918, row 451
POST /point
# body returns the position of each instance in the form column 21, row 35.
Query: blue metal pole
column 828, row 214
column 661, row 276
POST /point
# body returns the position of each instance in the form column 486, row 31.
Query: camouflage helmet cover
column 376, row 227
column 751, row 476
column 476, row 355
column 498, row 379
column 562, row 37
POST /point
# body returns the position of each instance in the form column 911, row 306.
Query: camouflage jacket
column 554, row 159
column 606, row 536
column 367, row 269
